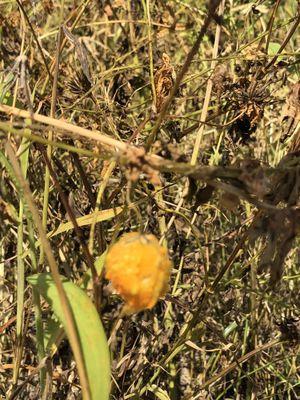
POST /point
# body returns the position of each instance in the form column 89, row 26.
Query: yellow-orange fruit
column 139, row 269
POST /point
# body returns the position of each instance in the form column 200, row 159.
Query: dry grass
column 158, row 117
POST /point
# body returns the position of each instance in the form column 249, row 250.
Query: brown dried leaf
column 280, row 229
column 229, row 201
column 80, row 51
column 164, row 79
column 291, row 111
column 292, row 105
column 254, row 178
column 266, row 257
column 220, row 79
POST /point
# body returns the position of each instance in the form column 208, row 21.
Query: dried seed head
column 290, row 330
column 139, row 269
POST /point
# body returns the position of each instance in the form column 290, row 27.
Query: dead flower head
column 136, row 162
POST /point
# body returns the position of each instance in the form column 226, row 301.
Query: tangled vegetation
column 178, row 120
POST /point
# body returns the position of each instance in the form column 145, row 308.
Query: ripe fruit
column 139, row 269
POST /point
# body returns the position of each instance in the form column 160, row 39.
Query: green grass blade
column 90, row 330
column 24, row 155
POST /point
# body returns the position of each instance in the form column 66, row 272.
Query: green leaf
column 90, row 330
column 7, row 99
column 273, row 50
column 230, row 328
column 52, row 331
column 159, row 393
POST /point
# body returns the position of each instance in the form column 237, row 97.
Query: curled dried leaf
column 80, row 51
column 164, row 79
